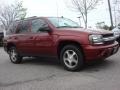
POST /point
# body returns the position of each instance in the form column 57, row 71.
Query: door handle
column 31, row 38
column 15, row 38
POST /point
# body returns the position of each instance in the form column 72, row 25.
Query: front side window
column 38, row 25
column 63, row 22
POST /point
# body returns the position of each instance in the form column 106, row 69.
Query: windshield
column 63, row 22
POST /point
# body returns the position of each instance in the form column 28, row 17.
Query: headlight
column 96, row 39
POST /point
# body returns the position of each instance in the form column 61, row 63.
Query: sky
column 59, row 8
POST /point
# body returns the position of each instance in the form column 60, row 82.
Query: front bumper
column 100, row 52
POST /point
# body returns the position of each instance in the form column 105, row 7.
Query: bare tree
column 83, row 7
column 10, row 13
column 116, row 11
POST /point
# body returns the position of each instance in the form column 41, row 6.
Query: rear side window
column 23, row 27
column 38, row 25
column 12, row 28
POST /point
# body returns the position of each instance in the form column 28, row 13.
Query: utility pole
column 111, row 18
column 86, row 18
column 115, row 12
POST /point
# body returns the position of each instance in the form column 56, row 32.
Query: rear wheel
column 14, row 56
column 71, row 58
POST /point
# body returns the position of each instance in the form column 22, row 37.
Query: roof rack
column 27, row 18
column 31, row 17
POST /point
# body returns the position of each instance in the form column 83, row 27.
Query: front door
column 43, row 39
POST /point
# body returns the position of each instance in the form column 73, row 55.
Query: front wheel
column 71, row 58
column 14, row 56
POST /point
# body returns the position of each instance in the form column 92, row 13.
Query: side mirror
column 45, row 29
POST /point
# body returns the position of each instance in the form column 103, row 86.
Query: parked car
column 61, row 38
column 1, row 38
column 116, row 32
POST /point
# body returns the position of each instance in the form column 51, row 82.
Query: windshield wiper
column 68, row 26
column 62, row 26
column 75, row 27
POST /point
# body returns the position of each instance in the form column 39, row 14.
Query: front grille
column 109, row 42
column 108, row 35
column 108, row 38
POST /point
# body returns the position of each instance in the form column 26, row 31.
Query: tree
column 102, row 25
column 11, row 13
column 83, row 7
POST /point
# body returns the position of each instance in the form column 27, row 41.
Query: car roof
column 35, row 17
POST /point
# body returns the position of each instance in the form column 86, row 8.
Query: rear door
column 25, row 41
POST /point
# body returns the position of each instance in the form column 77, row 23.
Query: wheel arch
column 63, row 43
column 9, row 45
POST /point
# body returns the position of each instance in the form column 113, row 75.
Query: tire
column 118, row 40
column 71, row 58
column 14, row 56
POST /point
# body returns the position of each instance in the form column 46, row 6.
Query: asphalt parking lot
column 48, row 74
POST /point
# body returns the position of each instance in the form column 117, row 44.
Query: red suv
column 58, row 37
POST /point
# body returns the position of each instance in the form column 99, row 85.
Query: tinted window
column 38, row 25
column 12, row 28
column 23, row 27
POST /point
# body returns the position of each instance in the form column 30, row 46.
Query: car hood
column 78, row 31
